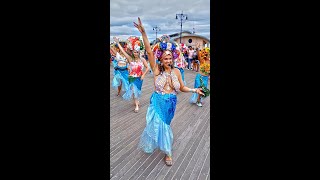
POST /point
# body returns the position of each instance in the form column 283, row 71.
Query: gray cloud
column 158, row 13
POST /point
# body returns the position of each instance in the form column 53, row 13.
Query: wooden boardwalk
column 191, row 134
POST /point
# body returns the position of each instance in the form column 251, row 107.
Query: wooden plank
column 194, row 139
column 133, row 162
column 149, row 161
column 196, row 171
column 124, row 149
column 190, row 160
column 205, row 168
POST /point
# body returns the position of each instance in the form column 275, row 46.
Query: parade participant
column 112, row 54
column 202, row 76
column 136, row 64
column 190, row 52
column 120, row 74
column 180, row 62
column 185, row 55
column 196, row 62
column 167, row 81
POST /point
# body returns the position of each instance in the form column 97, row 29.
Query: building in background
column 190, row 39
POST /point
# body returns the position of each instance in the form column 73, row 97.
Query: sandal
column 168, row 161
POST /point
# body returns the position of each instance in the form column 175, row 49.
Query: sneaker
column 199, row 104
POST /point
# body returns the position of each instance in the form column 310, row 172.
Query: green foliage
column 205, row 90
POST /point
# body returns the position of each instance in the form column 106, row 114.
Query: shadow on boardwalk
column 191, row 131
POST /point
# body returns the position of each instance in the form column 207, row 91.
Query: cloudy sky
column 161, row 13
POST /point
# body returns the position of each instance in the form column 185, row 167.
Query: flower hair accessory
column 159, row 48
column 134, row 43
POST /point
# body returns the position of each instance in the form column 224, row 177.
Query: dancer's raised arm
column 114, row 52
column 122, row 50
column 146, row 42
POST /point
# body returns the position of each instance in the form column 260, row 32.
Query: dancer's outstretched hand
column 139, row 26
column 116, row 40
column 199, row 91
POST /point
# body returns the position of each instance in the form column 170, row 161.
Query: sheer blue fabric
column 158, row 133
column 182, row 75
column 120, row 77
column 194, row 96
column 134, row 89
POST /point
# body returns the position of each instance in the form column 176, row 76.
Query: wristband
column 193, row 90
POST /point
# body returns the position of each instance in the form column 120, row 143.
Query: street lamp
column 183, row 18
column 157, row 29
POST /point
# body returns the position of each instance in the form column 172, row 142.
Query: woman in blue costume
column 120, row 75
column 167, row 81
column 136, row 64
column 204, row 58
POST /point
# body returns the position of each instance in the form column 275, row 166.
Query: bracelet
column 193, row 90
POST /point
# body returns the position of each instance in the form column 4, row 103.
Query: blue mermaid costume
column 158, row 133
column 197, row 84
column 120, row 73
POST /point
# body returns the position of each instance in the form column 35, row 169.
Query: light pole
column 182, row 17
column 157, row 29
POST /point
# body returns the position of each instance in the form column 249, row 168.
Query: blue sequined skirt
column 194, row 96
column 182, row 75
column 134, row 89
column 120, row 77
column 158, row 133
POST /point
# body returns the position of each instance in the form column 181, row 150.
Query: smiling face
column 166, row 59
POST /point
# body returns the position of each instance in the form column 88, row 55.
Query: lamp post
column 156, row 29
column 183, row 18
